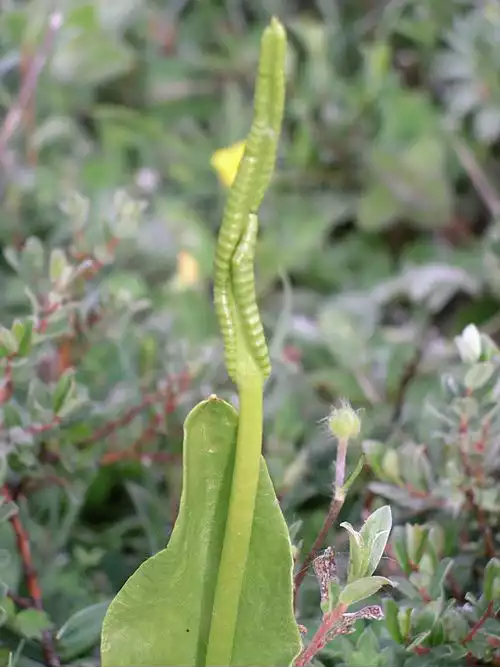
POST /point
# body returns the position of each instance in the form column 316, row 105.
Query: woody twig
column 31, row 579
column 17, row 111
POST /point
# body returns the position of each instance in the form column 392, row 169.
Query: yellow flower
column 226, row 161
column 188, row 271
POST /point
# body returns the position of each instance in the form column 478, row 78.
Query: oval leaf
column 81, row 632
column 391, row 614
column 356, row 552
column 362, row 588
column 375, row 533
column 162, row 614
column 478, row 375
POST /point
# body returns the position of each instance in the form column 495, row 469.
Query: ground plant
column 249, row 353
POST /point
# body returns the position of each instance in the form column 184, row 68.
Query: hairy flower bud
column 344, row 422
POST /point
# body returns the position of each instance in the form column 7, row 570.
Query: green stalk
column 241, row 509
column 239, row 525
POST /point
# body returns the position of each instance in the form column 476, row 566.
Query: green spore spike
column 252, row 179
column 243, row 282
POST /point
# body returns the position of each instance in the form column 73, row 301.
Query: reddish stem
column 7, row 385
column 31, row 578
column 333, row 513
column 18, row 110
column 477, row 510
column 168, row 396
column 473, row 631
column 321, row 637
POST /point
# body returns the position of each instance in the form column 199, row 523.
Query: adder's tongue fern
column 233, row 280
column 246, row 354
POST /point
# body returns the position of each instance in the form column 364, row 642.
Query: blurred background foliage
column 379, row 244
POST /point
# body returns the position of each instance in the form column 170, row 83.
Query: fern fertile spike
column 234, row 284
column 245, row 297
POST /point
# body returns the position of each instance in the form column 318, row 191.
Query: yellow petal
column 226, row 161
column 188, row 271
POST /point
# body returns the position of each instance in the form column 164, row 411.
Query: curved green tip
column 276, row 26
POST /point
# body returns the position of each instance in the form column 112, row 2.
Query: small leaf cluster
column 442, row 555
column 63, row 394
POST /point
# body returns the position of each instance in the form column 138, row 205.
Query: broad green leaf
column 81, row 631
column 33, row 257
column 377, row 208
column 8, row 607
column 11, row 257
column 289, row 245
column 405, row 587
column 367, row 648
column 7, row 510
column 391, row 611
column 375, row 533
column 32, row 622
column 111, row 57
column 478, row 375
column 162, row 614
column 425, row 161
column 4, row 558
column 409, row 183
column 362, row 588
column 435, row 588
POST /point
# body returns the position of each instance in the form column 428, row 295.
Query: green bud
column 344, row 422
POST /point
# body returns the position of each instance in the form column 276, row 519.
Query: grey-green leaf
column 81, row 632
column 32, row 622
column 162, row 614
column 478, row 375
column 375, row 533
column 357, row 552
column 362, row 589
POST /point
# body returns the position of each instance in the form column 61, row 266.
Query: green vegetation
column 378, row 247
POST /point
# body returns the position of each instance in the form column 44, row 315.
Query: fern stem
column 239, row 524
